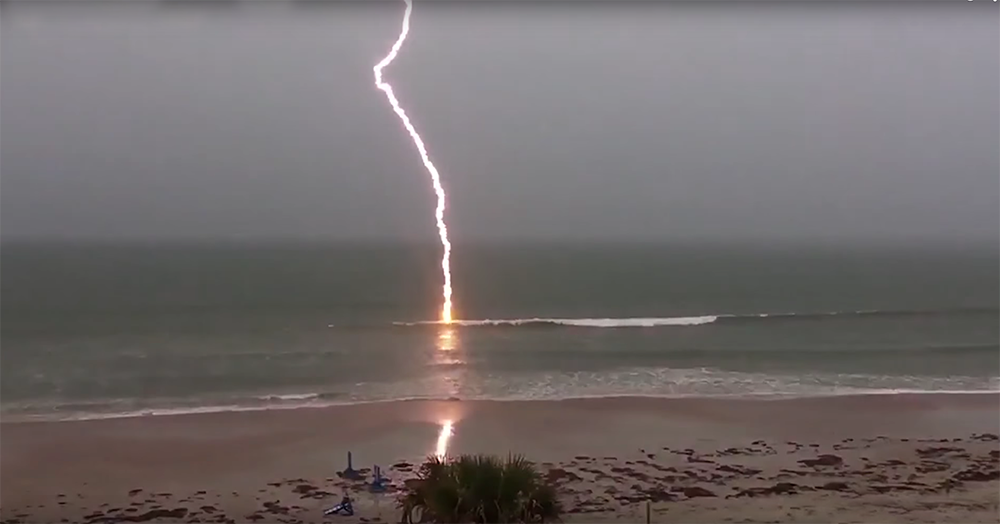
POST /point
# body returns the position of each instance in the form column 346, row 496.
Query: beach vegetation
column 479, row 489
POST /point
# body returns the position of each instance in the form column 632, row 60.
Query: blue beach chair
column 378, row 484
column 344, row 508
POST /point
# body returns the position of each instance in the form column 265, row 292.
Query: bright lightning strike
column 442, row 444
column 435, row 176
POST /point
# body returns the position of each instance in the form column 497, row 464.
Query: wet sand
column 877, row 458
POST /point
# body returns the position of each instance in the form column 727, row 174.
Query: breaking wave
column 579, row 322
column 452, row 384
column 691, row 320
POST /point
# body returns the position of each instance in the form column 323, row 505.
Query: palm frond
column 479, row 489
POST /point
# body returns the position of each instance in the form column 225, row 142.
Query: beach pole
column 647, row 513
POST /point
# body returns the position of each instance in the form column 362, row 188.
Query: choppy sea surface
column 106, row 330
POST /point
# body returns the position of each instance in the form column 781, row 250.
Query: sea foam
column 578, row 322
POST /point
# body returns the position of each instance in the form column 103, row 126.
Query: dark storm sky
column 654, row 121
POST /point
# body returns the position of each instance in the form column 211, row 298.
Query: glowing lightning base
column 435, row 176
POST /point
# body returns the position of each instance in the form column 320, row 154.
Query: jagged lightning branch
column 435, row 176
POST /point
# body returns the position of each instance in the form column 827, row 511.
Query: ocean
column 106, row 330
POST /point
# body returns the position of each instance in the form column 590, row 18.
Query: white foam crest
column 577, row 322
column 290, row 396
column 638, row 382
column 638, row 322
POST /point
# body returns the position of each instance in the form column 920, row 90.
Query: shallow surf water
column 104, row 330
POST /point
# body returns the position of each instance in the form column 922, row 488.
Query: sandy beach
column 878, row 458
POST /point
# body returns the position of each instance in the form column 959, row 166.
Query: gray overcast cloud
column 634, row 121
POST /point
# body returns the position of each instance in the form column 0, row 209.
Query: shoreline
column 312, row 401
column 934, row 455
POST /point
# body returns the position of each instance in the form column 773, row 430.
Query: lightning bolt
column 419, row 142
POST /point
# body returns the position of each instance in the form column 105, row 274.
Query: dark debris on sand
column 596, row 485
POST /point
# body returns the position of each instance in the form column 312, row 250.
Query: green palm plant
column 479, row 489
